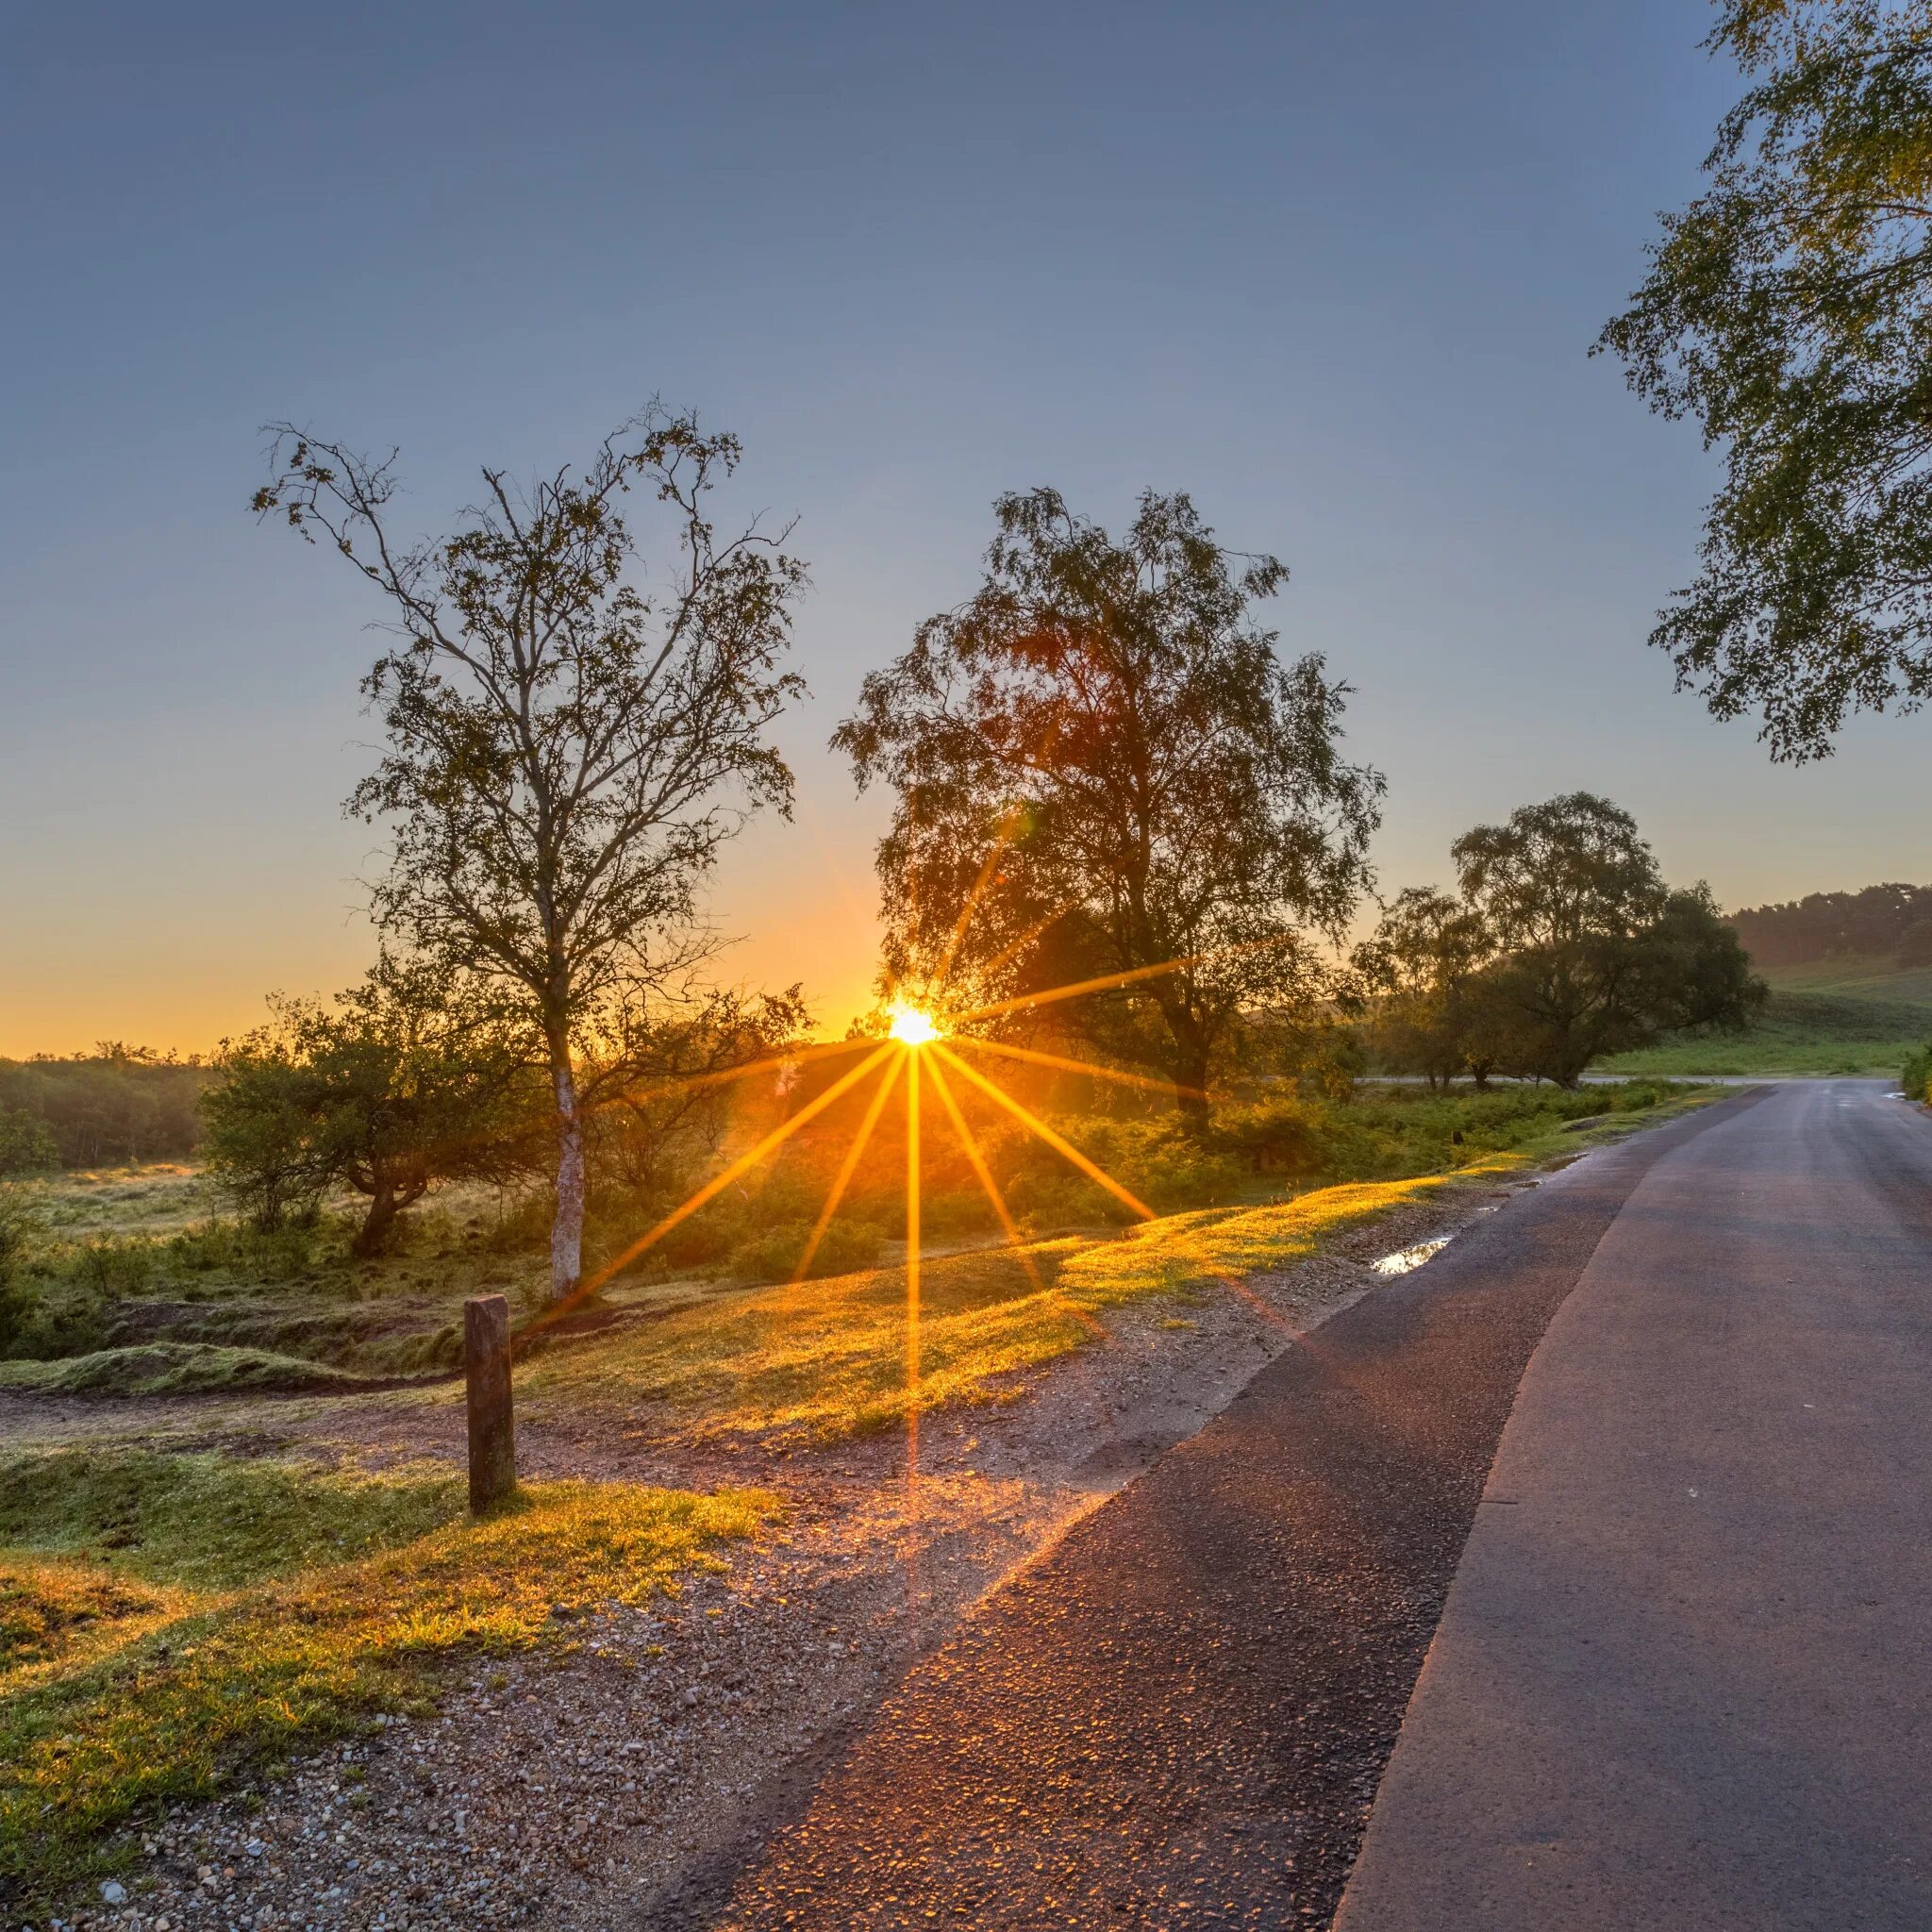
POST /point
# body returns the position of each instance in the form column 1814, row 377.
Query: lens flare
column 913, row 1026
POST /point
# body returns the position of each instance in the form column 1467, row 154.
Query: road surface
column 1177, row 1717
column 1682, row 1678
column 1679, row 1682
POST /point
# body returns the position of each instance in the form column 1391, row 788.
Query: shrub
column 774, row 1256
column 45, row 1321
column 287, row 1253
column 1915, row 1082
column 109, row 1268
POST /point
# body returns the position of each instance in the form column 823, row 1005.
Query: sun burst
column 913, row 1026
column 918, row 1041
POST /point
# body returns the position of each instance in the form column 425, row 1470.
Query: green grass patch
column 1184, row 1250
column 1867, row 976
column 176, row 1368
column 211, row 1521
column 1799, row 1032
column 829, row 1360
column 271, row 1650
column 55, row 1615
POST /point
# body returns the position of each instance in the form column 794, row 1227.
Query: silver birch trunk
column 566, row 1229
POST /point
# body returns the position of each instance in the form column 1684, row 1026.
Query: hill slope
column 1806, row 1029
column 1877, row 978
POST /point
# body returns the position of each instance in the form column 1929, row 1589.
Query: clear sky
column 1332, row 269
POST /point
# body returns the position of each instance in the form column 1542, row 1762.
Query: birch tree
column 570, row 740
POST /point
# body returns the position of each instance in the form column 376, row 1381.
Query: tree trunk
column 1190, row 1083
column 372, row 1236
column 567, row 1228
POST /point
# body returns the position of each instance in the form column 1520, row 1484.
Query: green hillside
column 1869, row 978
column 1813, row 1024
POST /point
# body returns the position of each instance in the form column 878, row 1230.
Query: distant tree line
column 1889, row 920
column 115, row 1106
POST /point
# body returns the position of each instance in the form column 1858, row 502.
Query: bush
column 16, row 1230
column 288, row 1252
column 108, row 1268
column 1158, row 1161
column 1915, row 1082
column 1284, row 1135
column 44, row 1320
column 774, row 1256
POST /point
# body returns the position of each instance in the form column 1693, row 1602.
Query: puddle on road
column 1403, row 1260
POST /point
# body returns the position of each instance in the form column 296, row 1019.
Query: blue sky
column 1335, row 270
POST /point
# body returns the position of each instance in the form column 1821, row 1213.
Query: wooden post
column 493, row 1432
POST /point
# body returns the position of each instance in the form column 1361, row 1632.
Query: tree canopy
column 396, row 1085
column 1103, row 773
column 1564, row 945
column 567, row 749
column 1789, row 310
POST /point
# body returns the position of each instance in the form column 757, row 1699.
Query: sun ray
column 1027, row 937
column 847, row 1167
column 719, row 1182
column 1057, row 1142
column 1053, row 1059
column 1085, row 1316
column 1102, row 982
column 912, row 1060
column 977, row 1160
column 676, row 1083
column 1002, row 840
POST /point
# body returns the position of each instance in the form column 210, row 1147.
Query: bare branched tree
column 568, row 747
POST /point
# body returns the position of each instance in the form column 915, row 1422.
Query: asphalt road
column 1682, row 1679
column 1180, row 1716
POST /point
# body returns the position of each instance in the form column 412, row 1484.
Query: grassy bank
column 135, row 1285
column 171, row 1626
column 825, row 1359
column 1800, row 1032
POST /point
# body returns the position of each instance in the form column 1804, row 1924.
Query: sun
column 913, row 1026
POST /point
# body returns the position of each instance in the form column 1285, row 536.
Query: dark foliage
column 1888, row 919
column 1787, row 309
column 114, row 1106
column 1104, row 772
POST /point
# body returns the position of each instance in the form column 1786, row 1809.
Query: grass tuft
column 209, row 1522
column 176, row 1368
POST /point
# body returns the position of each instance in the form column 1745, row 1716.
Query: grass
column 175, row 1368
column 173, row 1625
column 1873, row 977
column 54, row 1616
column 1801, row 1032
column 1183, row 1251
column 828, row 1359
column 158, row 1197
column 208, row 1522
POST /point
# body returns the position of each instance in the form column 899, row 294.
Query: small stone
column 255, row 1848
column 113, row 1893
